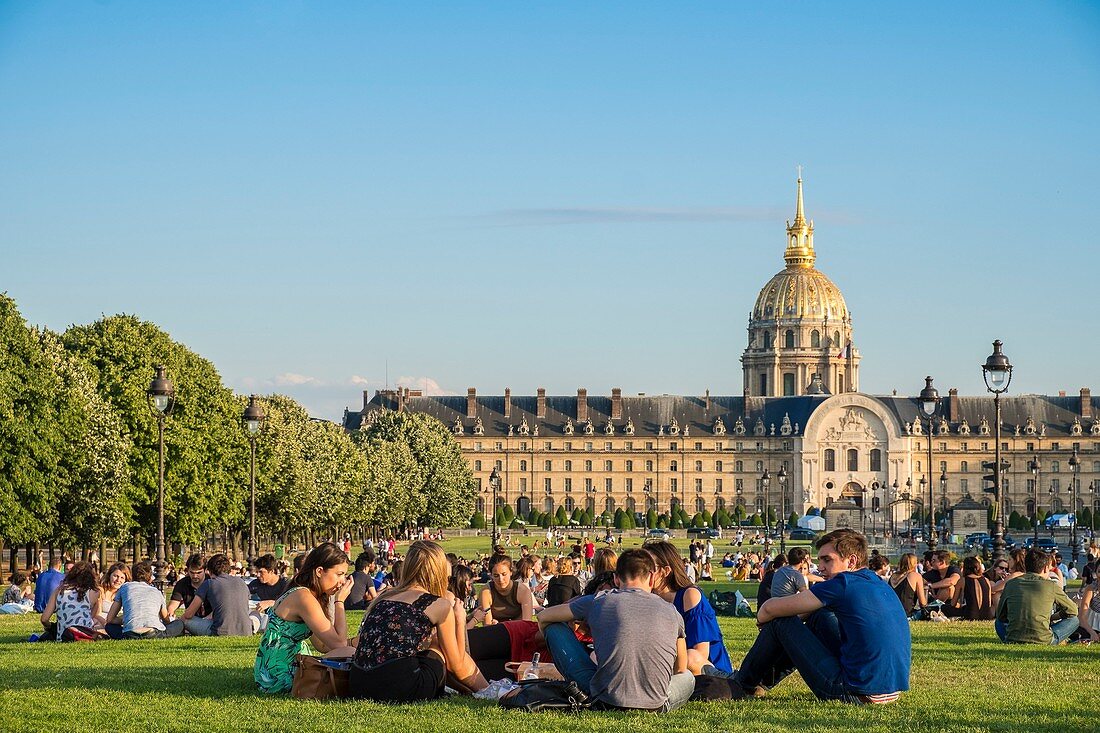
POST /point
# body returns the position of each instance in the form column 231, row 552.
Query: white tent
column 1059, row 520
column 817, row 524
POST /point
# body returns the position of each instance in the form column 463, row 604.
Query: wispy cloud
column 359, row 381
column 426, row 384
column 556, row 216
column 291, row 379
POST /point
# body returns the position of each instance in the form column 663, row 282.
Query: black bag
column 533, row 696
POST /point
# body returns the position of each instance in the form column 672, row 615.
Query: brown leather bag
column 320, row 679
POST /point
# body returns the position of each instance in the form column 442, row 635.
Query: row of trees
column 620, row 519
column 78, row 449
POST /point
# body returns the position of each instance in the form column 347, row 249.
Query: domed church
column 800, row 434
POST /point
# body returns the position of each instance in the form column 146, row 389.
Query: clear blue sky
column 555, row 194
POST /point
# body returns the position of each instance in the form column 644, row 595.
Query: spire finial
column 799, row 215
column 800, row 235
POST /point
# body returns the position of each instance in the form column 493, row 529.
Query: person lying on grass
column 854, row 645
column 305, row 612
column 641, row 652
column 413, row 638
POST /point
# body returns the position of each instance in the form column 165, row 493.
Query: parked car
column 658, row 534
column 803, row 534
column 1044, row 543
column 974, row 540
column 703, row 533
column 1010, row 544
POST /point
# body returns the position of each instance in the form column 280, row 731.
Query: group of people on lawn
column 638, row 635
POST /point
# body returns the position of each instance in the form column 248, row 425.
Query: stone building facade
column 800, row 411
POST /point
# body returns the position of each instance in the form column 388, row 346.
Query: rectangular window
column 943, row 466
column 739, row 446
column 547, row 466
column 523, row 485
column 698, row 485
column 588, row 465
column 629, row 466
column 649, row 466
column 718, row 486
column 523, row 445
column 629, row 445
column 568, row 445
column 547, row 486
column 763, row 381
column 1054, row 446
column 985, row 446
column 568, row 485
column 698, row 446
column 718, row 466
column 943, row 447
column 672, row 485
column 477, row 445
column 787, row 445
column 672, row 445
column 649, row 445
column 963, row 447
column 588, row 485
column 499, row 465
column 607, row 465
column 548, row 445
column 1004, row 446
column 499, row 445
column 478, row 479
column 759, row 445
column 629, row 485
column 588, row 445
column 698, row 466
column 738, row 466
column 607, row 485
column 607, row 445
column 965, row 483
column 569, row 465
column 1031, row 446
column 1056, row 484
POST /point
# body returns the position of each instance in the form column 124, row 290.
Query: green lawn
column 963, row 680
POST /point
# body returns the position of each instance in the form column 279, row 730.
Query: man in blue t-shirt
column 868, row 663
column 46, row 584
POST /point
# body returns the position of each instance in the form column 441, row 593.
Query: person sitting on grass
column 19, row 596
column 114, row 578
column 564, row 586
column 1023, row 611
column 141, row 605
column 1015, row 568
column 304, row 612
column 603, row 561
column 226, row 595
column 794, row 576
column 941, row 577
column 880, row 566
column 973, row 596
column 705, row 646
column 266, row 588
column 362, row 587
column 641, row 651
column 908, row 584
column 868, row 659
column 764, row 588
column 504, row 599
column 183, row 592
column 76, row 602
column 411, row 640
column 1088, row 611
column 46, row 583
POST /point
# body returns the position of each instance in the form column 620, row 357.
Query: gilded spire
column 800, row 235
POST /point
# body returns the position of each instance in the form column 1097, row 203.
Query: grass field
column 962, row 679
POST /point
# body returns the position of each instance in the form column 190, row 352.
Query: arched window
column 836, row 338
column 853, row 459
column 767, row 339
column 570, row 505
column 630, row 504
column 609, row 504
column 876, row 459
column 719, row 503
column 548, row 505
column 830, row 459
column 523, row 506
column 815, row 339
column 788, row 339
column 700, row 505
column 1031, row 507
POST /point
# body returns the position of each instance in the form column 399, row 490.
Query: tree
column 739, row 513
column 651, row 518
column 561, row 518
column 792, row 521
column 1084, row 517
column 444, row 484
column 477, row 521
column 697, row 521
column 771, row 516
column 205, row 442
column 757, row 521
column 1014, row 520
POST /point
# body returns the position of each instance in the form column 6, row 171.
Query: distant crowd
column 632, row 628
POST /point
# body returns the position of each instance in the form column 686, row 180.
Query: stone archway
column 853, row 492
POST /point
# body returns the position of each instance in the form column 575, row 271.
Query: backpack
column 534, row 696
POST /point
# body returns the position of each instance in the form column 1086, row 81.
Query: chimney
column 952, row 405
column 507, row 403
column 402, row 394
column 1086, row 402
column 706, row 401
column 1061, row 393
column 540, row 404
column 471, row 403
column 616, row 403
column 366, row 398
column 582, row 405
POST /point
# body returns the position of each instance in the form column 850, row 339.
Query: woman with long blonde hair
column 909, row 585
column 397, row 657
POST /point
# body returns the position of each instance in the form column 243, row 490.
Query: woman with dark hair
column 908, row 585
column 504, row 599
column 461, row 586
column 704, row 638
column 975, row 593
column 303, row 612
column 408, row 641
column 1007, row 569
column 76, row 602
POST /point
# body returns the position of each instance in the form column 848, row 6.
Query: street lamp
column 997, row 373
column 253, row 418
column 162, row 399
column 1036, row 469
column 875, row 505
column 494, row 484
column 648, row 490
column 1075, row 490
column 929, row 401
column 765, row 482
column 943, row 499
column 782, row 476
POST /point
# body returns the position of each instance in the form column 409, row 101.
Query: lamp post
column 254, row 418
column 494, row 485
column 893, row 512
column 863, row 510
column 943, row 500
column 920, row 509
column 997, row 373
column 929, row 401
column 782, row 476
column 874, row 506
column 1036, row 469
column 765, row 482
column 648, row 490
column 162, row 399
column 1075, row 490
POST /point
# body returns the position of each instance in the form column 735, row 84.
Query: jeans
column 787, row 644
column 171, row 630
column 572, row 660
column 1059, row 630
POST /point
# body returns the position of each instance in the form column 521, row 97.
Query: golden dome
column 800, row 292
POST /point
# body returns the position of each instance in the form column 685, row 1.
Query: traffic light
column 989, row 481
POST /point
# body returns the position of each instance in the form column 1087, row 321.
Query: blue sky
column 316, row 195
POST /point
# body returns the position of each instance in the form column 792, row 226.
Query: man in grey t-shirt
column 791, row 578
column 227, row 598
column 641, row 652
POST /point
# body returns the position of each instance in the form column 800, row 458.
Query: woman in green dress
column 304, row 612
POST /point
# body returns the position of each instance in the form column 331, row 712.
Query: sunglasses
column 1002, row 567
